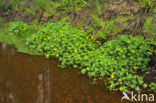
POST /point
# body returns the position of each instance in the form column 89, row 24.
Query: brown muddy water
column 34, row 79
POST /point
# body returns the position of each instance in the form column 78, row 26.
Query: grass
column 17, row 42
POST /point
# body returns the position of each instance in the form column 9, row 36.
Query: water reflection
column 47, row 86
column 12, row 51
column 11, row 98
column 3, row 48
column 40, row 88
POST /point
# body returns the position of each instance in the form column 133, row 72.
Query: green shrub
column 120, row 59
column 21, row 29
column 60, row 40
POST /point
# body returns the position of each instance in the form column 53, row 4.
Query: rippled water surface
column 33, row 79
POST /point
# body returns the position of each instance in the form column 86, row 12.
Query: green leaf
column 145, row 85
column 83, row 71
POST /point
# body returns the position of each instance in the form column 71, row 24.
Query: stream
column 34, row 79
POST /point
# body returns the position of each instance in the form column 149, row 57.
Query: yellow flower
column 111, row 86
column 75, row 51
column 54, row 49
column 120, row 88
column 128, row 41
column 92, row 37
column 66, row 53
column 98, row 41
column 48, row 37
column 147, row 72
column 135, row 67
column 88, row 68
column 132, row 51
column 112, row 76
column 81, row 45
column 38, row 46
column 149, row 53
column 69, row 48
column 112, row 69
column 47, row 56
column 88, row 31
column 57, row 55
column 100, row 44
column 79, row 58
column 121, row 50
column 74, row 35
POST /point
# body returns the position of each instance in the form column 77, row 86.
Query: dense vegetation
column 99, row 50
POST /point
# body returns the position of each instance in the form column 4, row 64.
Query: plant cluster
column 62, row 41
column 21, row 29
column 120, row 59
column 109, row 28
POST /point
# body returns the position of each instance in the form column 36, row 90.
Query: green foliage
column 101, row 7
column 20, row 29
column 147, row 4
column 18, row 42
column 16, row 35
column 119, row 59
column 61, row 40
column 150, row 25
column 110, row 28
column 150, row 30
column 152, row 87
column 7, row 6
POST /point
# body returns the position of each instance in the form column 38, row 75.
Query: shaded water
column 33, row 79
